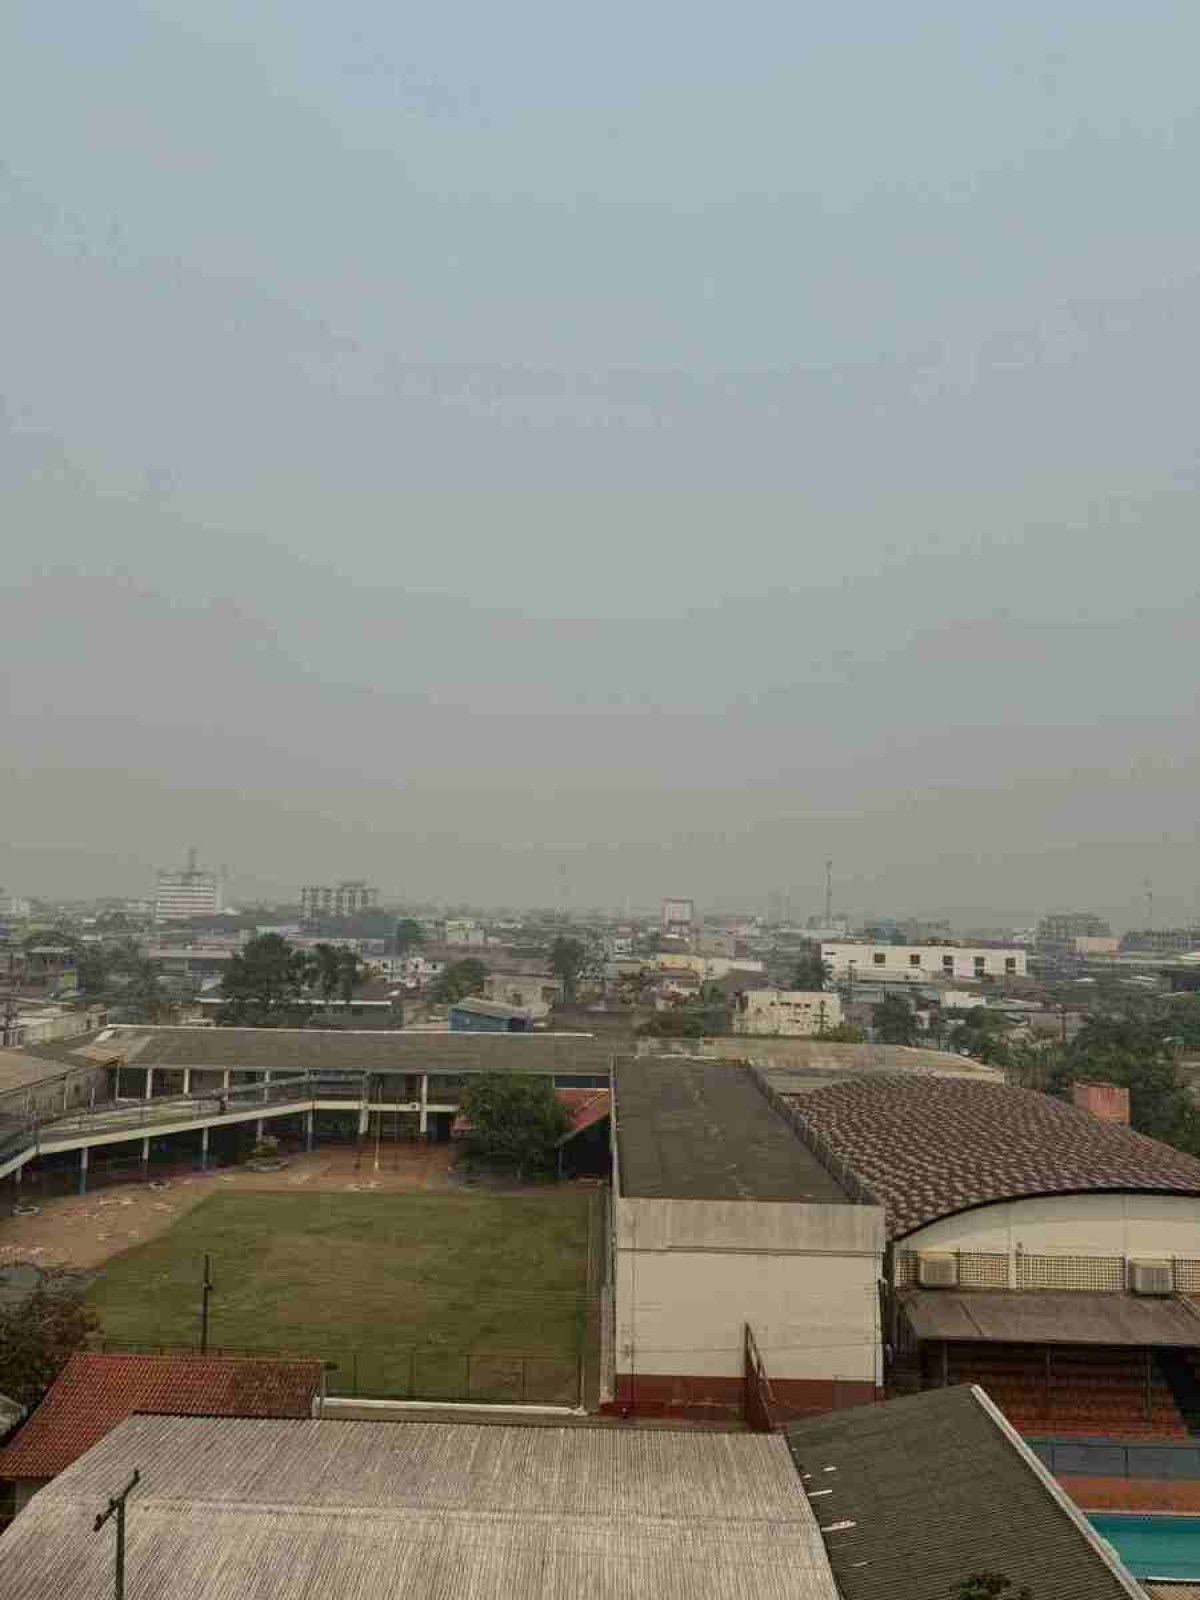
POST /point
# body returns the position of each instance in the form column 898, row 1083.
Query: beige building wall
column 1138, row 1225
column 692, row 1273
column 786, row 1013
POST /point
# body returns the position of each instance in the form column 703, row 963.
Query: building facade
column 350, row 898
column 923, row 963
column 786, row 1013
column 190, row 893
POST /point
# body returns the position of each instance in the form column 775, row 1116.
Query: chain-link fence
column 479, row 1377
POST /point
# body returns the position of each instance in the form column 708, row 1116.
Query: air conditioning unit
column 937, row 1271
column 1151, row 1277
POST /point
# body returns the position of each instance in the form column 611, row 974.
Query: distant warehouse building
column 921, row 963
column 723, row 1222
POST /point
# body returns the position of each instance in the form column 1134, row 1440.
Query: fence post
column 524, row 1378
column 356, row 1373
column 412, row 1373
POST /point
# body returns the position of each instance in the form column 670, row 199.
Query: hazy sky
column 508, row 451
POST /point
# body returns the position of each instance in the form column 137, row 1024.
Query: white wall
column 691, row 1273
column 897, row 961
column 1150, row 1225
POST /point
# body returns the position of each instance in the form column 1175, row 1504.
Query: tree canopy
column 990, row 1586
column 458, row 980
column 265, row 984
column 515, row 1121
column 409, row 935
column 37, row 1336
column 810, row 971
column 894, row 1021
column 568, row 958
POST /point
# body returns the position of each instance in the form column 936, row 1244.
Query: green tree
column 810, row 971
column 688, row 1021
column 981, row 1034
column 990, row 1586
column 845, row 1033
column 1131, row 1046
column 515, row 1121
column 894, row 1021
column 409, row 935
column 458, row 980
column 568, row 958
column 37, row 1337
column 265, row 984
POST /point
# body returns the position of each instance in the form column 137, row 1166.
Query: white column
column 424, row 1102
column 204, row 1148
column 228, row 1077
column 187, row 1080
column 149, row 1083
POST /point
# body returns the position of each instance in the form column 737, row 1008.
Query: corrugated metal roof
column 699, row 1130
column 1047, row 1317
column 229, row 1510
column 917, row 1495
column 936, row 1146
column 95, row 1391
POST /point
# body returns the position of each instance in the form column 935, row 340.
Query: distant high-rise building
column 678, row 916
column 190, row 893
column 346, row 899
column 1062, row 927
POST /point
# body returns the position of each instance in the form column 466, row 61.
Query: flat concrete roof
column 702, row 1130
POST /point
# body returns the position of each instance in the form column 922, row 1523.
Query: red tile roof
column 94, row 1392
column 933, row 1147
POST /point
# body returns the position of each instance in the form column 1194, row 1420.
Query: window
column 1010, row 965
column 947, row 963
column 914, row 960
column 980, row 966
column 879, row 958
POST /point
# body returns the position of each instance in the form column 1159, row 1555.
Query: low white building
column 724, row 1220
column 921, row 963
column 787, row 1013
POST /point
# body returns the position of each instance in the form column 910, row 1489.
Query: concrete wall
column 1150, row 1225
column 692, row 1273
column 789, row 1013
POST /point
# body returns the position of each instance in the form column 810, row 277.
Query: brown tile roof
column 94, row 1392
column 934, row 1147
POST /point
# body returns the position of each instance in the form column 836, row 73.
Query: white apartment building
column 346, row 899
column 190, row 893
column 787, row 1013
column 922, row 963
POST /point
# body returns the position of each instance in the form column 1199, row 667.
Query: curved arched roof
column 935, row 1147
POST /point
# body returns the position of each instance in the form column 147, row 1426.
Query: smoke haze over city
column 529, row 456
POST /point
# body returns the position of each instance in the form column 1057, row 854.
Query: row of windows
column 980, row 962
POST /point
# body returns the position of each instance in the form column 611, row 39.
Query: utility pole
column 205, row 1292
column 116, row 1507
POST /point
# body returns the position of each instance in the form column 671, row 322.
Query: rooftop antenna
column 191, row 858
column 829, row 894
column 1149, row 887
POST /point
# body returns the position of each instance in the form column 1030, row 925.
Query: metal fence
column 1114, row 1458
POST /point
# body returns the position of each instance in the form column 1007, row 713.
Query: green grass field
column 395, row 1288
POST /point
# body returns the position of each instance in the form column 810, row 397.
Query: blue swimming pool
column 1153, row 1547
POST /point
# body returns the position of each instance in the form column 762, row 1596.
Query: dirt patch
column 86, row 1230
